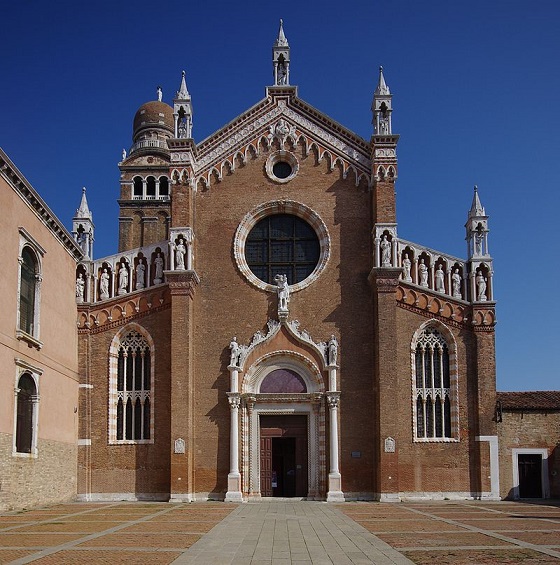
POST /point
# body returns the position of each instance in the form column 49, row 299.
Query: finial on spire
column 183, row 93
column 281, row 58
column 83, row 210
column 382, row 88
column 476, row 207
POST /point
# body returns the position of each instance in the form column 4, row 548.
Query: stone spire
column 182, row 111
column 381, row 107
column 480, row 261
column 82, row 226
column 281, row 59
column 476, row 207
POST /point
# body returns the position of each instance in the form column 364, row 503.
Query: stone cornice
column 109, row 314
column 182, row 283
column 385, row 279
column 30, row 196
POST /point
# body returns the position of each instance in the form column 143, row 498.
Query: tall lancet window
column 434, row 388
column 131, row 394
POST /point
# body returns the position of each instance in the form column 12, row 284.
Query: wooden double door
column 283, row 456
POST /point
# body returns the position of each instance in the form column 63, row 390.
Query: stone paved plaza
column 279, row 532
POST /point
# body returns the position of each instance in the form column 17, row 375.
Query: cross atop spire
column 281, row 59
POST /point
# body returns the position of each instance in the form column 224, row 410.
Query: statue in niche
column 480, row 287
column 158, row 261
column 440, row 279
column 383, row 126
column 180, row 251
column 283, row 292
column 182, row 130
column 80, row 287
column 123, row 279
column 478, row 238
column 406, row 268
column 235, row 352
column 456, row 284
column 140, row 275
column 282, row 73
column 385, row 252
column 333, row 350
column 104, row 285
column 423, row 270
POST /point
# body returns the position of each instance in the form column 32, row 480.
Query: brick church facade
column 263, row 330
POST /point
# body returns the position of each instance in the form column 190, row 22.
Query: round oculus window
column 282, row 244
column 281, row 237
column 281, row 166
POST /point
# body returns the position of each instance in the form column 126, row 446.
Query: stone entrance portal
column 283, row 456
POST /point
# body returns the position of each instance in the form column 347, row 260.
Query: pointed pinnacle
column 281, row 41
column 382, row 88
column 183, row 93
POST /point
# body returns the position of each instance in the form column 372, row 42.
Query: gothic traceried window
column 133, row 384
column 433, row 392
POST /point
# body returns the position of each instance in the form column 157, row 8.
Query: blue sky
column 476, row 89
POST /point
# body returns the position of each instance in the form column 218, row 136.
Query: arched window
column 163, row 186
column 151, row 187
column 25, row 414
column 433, row 390
column 131, row 394
column 138, row 190
column 28, row 292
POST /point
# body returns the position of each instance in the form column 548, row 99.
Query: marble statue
column 406, row 268
column 140, row 275
column 80, row 287
column 456, row 284
column 123, row 279
column 385, row 252
column 282, row 73
column 283, row 292
column 180, row 251
column 480, row 287
column 158, row 261
column 235, row 351
column 104, row 285
column 123, row 154
column 159, row 93
column 478, row 244
column 440, row 279
column 423, row 270
column 333, row 350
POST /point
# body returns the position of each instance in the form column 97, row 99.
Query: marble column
column 334, row 493
column 234, row 477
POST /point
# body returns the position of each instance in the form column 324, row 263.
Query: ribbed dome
column 153, row 114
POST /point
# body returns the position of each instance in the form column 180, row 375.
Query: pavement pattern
column 284, row 531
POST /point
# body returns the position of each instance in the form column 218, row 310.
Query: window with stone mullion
column 133, row 409
column 432, row 387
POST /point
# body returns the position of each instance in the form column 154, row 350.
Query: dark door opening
column 283, row 456
column 283, row 466
column 530, row 475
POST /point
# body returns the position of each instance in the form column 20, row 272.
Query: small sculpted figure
column 406, row 268
column 140, row 275
column 123, row 279
column 180, row 251
column 158, row 261
column 333, row 350
column 385, row 252
column 440, row 279
column 235, row 350
column 423, row 270
column 283, row 292
column 104, row 285
column 80, row 287
column 480, row 287
column 456, row 284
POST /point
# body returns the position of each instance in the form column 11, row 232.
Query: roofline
column 23, row 187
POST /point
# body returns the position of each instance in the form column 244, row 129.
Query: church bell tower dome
column 154, row 115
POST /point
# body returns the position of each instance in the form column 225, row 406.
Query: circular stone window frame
column 279, row 157
column 281, row 207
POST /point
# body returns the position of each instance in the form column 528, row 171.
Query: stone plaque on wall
column 389, row 445
column 179, row 445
